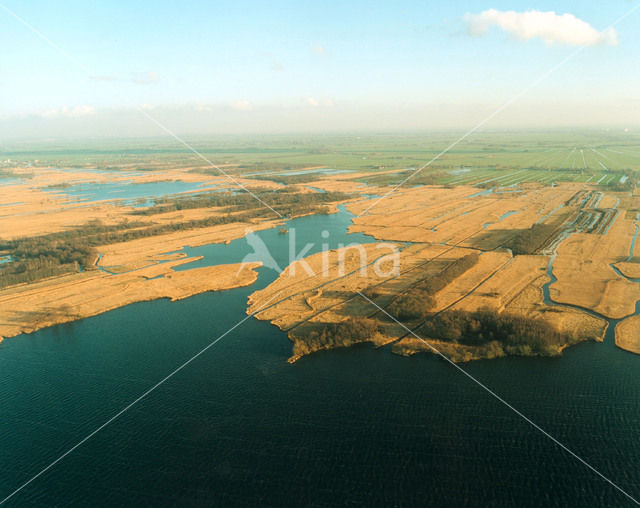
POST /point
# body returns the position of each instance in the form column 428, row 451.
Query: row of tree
column 286, row 201
column 516, row 334
column 418, row 302
column 346, row 333
column 529, row 241
column 43, row 256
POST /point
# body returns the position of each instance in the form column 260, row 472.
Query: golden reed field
column 461, row 251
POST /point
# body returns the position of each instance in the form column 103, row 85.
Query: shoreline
column 310, row 304
column 67, row 301
column 627, row 335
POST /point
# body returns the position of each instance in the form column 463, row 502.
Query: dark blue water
column 303, row 232
column 358, row 427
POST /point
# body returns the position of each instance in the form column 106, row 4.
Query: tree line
column 529, row 241
column 74, row 250
column 346, row 333
column 419, row 301
column 512, row 334
column 285, row 201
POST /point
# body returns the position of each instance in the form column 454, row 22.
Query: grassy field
column 485, row 159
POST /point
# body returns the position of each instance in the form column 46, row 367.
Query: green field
column 483, row 159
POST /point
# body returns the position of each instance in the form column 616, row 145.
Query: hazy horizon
column 213, row 141
column 102, row 71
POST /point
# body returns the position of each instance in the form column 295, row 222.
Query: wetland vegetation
column 74, row 249
column 552, row 179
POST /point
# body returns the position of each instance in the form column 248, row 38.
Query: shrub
column 346, row 333
column 415, row 305
column 515, row 334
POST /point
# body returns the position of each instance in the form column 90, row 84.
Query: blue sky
column 287, row 65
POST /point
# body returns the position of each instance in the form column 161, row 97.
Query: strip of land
column 628, row 334
column 477, row 264
column 66, row 259
column 475, row 250
column 72, row 297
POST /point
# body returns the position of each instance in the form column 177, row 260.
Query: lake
column 141, row 194
column 240, row 426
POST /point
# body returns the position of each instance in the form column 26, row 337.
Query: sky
column 118, row 68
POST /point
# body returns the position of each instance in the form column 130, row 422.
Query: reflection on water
column 358, row 426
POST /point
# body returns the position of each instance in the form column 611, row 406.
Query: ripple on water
column 359, row 426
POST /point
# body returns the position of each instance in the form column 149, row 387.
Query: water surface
column 128, row 192
column 240, row 426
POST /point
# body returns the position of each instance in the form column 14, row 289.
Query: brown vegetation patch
column 27, row 308
column 628, row 335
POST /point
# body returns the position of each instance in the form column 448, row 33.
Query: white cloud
column 145, row 78
column 199, row 106
column 312, row 101
column 274, row 62
column 83, row 110
column 102, row 77
column 138, row 78
column 329, row 103
column 48, row 113
column 552, row 28
column 74, row 112
column 242, row 105
column 318, row 49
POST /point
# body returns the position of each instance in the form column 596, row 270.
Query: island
column 480, row 275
